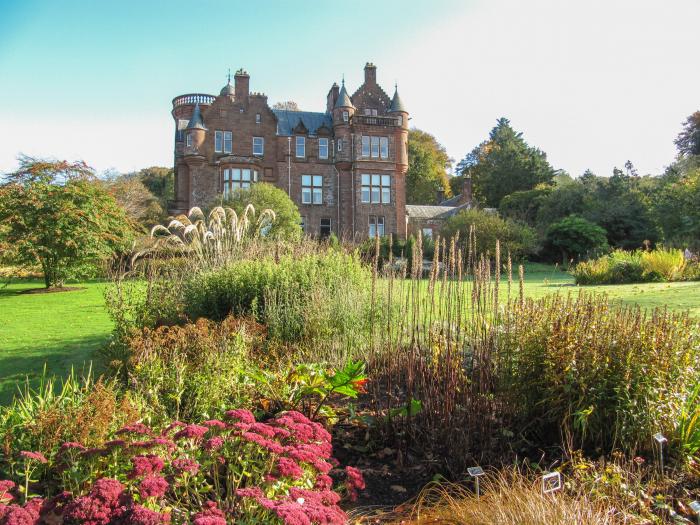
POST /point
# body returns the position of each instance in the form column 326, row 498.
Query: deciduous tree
column 58, row 216
column 427, row 169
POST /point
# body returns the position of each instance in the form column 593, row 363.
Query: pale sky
column 592, row 83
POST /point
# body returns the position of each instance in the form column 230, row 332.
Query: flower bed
column 215, row 473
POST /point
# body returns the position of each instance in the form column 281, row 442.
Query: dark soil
column 55, row 289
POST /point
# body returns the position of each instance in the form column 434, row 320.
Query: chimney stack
column 440, row 195
column 242, row 85
column 466, row 197
column 370, row 74
column 332, row 97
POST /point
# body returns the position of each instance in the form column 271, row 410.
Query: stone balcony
column 192, row 99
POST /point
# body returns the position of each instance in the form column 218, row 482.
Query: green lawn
column 541, row 280
column 57, row 329
column 64, row 329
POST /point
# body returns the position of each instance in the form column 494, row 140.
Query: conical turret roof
column 396, row 103
column 196, row 121
column 343, row 98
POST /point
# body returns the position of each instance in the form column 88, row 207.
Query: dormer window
column 346, row 116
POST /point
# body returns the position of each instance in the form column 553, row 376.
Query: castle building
column 344, row 167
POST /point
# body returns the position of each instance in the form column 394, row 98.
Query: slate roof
column 343, row 98
column 452, row 201
column 431, row 212
column 196, row 121
column 288, row 120
column 396, row 103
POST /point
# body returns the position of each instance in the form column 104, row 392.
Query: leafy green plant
column 688, row 424
column 56, row 215
column 311, row 387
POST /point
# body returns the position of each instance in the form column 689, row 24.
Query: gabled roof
column 196, row 121
column 433, row 212
column 343, row 99
column 452, row 201
column 287, row 121
column 396, row 103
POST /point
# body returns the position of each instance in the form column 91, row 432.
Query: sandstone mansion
column 344, row 167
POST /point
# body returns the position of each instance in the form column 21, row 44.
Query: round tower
column 343, row 111
column 195, row 133
column 398, row 111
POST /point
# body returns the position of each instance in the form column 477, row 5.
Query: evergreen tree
column 504, row 164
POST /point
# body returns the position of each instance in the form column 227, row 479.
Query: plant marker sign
column 695, row 507
column 661, row 440
column 551, row 482
column 475, row 472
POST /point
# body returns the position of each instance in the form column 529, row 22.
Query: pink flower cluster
column 154, row 470
column 107, row 503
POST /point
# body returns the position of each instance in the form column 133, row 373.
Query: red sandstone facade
column 344, row 168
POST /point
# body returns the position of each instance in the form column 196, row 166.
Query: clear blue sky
column 592, row 83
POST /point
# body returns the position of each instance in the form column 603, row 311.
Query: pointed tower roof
column 196, row 121
column 396, row 103
column 343, row 98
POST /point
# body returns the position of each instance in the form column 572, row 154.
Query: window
column 238, row 178
column 218, row 141
column 258, row 118
column 228, row 142
column 365, row 145
column 340, row 144
column 312, row 189
column 370, row 112
column 325, row 227
column 427, row 233
column 375, row 147
column 375, row 189
column 322, row 148
column 180, row 132
column 189, row 140
column 400, row 119
column 384, row 147
column 301, row 147
column 376, row 226
column 346, row 116
column 258, row 145
column 302, row 223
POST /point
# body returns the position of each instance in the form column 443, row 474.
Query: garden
column 243, row 374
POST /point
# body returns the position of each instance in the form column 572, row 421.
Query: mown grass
column 63, row 330
column 56, row 330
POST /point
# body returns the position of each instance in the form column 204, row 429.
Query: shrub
column 42, row 418
column 310, row 297
column 192, row 371
column 605, row 378
column 518, row 239
column 287, row 224
column 236, row 469
column 575, row 237
column 669, row 264
column 622, row 267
